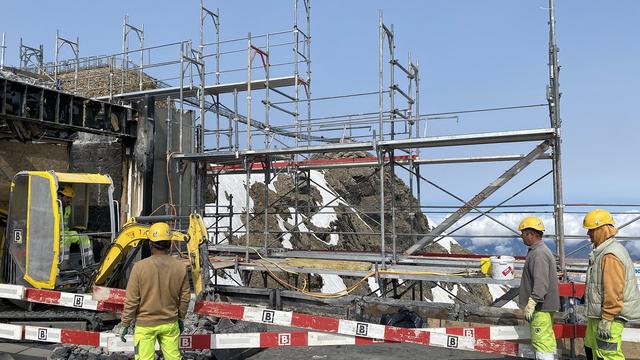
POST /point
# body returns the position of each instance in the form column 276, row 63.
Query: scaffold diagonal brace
column 479, row 198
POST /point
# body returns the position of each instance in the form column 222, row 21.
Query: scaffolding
column 280, row 136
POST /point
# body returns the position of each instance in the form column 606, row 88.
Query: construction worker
column 157, row 299
column 539, row 294
column 69, row 236
column 612, row 293
column 66, row 195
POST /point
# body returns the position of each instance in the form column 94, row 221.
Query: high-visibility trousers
column 144, row 340
column 70, row 237
column 606, row 349
column 543, row 339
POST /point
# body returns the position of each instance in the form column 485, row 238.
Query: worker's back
column 161, row 285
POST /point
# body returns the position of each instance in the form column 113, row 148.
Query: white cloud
column 572, row 222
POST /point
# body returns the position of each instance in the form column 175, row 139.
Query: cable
column 342, row 293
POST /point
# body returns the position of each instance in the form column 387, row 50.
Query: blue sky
column 472, row 54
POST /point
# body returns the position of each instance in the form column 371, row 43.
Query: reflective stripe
column 545, row 356
column 605, row 345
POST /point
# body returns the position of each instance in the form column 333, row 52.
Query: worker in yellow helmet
column 157, row 299
column 66, row 193
column 539, row 294
column 612, row 294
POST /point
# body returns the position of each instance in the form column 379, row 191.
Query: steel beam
column 174, row 92
column 30, row 111
column 471, row 139
column 438, row 141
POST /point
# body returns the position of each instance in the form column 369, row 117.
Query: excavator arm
column 133, row 233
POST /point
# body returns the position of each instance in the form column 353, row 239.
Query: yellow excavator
column 53, row 240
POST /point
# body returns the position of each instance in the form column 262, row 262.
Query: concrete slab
column 12, row 348
column 36, row 352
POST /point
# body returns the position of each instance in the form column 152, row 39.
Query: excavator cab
column 49, row 241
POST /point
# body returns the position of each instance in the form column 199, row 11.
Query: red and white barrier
column 488, row 339
column 354, row 328
column 113, row 343
column 78, row 301
column 253, row 340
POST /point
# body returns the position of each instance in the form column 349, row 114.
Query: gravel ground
column 370, row 352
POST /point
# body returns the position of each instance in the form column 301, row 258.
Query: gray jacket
column 539, row 279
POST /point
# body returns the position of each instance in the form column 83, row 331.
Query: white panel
column 79, row 301
column 510, row 333
column 452, row 341
column 439, row 330
column 15, row 292
column 355, row 328
column 236, row 341
column 322, row 339
column 36, row 333
column 13, row 332
column 104, row 338
column 115, row 345
column 631, row 335
column 267, row 316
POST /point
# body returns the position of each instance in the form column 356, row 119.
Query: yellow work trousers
column 144, row 339
column 543, row 339
column 606, row 349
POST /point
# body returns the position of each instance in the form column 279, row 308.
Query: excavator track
column 88, row 320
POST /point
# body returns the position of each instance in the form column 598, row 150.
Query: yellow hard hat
column 67, row 190
column 531, row 222
column 160, row 232
column 596, row 218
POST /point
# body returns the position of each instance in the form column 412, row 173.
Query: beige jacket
column 157, row 292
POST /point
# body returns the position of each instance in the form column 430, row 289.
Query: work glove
column 604, row 329
column 181, row 326
column 123, row 333
column 529, row 309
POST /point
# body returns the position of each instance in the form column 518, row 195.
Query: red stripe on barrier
column 497, row 347
column 284, row 339
column 79, row 337
column 320, row 323
column 110, row 295
column 367, row 341
column 563, row 331
column 110, row 307
column 230, row 311
column 571, row 289
column 195, row 342
column 406, row 335
column 43, row 296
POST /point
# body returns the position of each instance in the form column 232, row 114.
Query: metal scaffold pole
column 249, row 61
column 381, row 135
column 556, row 122
column 3, row 48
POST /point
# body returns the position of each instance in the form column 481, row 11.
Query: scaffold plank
column 174, row 91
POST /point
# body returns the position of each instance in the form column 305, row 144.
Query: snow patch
column 441, row 296
column 446, row 243
column 285, row 239
column 326, row 215
column 497, row 291
column 332, row 284
column 373, row 285
column 231, row 275
column 232, row 185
